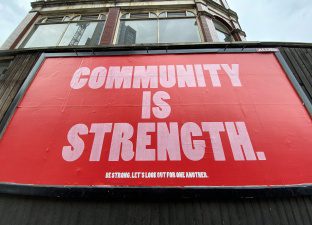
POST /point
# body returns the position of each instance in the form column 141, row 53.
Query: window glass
column 169, row 27
column 224, row 37
column 70, row 32
column 163, row 14
column 188, row 13
column 223, row 33
column 152, row 15
column 178, row 30
column 83, row 33
column 137, row 31
column 46, row 35
column 76, row 18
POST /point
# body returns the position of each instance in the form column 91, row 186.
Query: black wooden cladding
column 13, row 79
column 300, row 62
column 17, row 210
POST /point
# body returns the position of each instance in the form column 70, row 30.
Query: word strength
column 155, row 175
column 116, row 77
column 173, row 141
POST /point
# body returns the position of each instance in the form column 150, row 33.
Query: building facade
column 92, row 23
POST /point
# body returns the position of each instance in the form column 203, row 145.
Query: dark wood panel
column 10, row 77
column 26, row 210
column 300, row 62
column 110, row 26
column 289, row 62
column 14, row 78
column 309, row 55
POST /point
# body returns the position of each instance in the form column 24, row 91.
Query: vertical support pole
column 110, row 26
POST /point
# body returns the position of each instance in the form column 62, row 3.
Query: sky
column 262, row 20
column 275, row 20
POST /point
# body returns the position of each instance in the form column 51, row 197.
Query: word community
column 172, row 142
column 163, row 76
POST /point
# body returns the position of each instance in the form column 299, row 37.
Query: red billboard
column 188, row 120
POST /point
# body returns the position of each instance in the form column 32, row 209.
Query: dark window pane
column 224, row 37
column 219, row 26
column 176, row 14
column 89, row 17
column 136, row 32
column 178, row 30
column 54, row 19
column 83, row 33
column 139, row 15
column 46, row 35
column 222, row 32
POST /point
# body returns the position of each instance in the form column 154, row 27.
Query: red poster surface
column 159, row 120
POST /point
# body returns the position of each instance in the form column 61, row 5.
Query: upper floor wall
column 55, row 23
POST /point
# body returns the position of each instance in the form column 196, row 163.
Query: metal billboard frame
column 154, row 192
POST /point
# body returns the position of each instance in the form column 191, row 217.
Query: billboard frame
column 154, row 192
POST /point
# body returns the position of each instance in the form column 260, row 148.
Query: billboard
column 187, row 120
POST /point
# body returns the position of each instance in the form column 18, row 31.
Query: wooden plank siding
column 300, row 62
column 14, row 78
column 17, row 210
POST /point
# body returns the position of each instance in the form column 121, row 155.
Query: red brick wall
column 110, row 26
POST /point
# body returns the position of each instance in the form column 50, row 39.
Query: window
column 176, row 27
column 66, row 31
column 138, row 28
column 167, row 27
column 223, row 32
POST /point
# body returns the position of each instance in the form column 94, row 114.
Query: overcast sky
column 275, row 20
column 262, row 20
